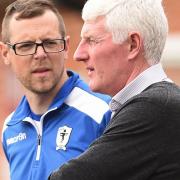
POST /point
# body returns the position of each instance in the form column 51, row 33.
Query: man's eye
column 25, row 46
column 50, row 43
column 92, row 41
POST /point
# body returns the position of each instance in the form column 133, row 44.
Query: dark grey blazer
column 141, row 142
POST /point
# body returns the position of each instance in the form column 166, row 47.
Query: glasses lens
column 55, row 45
column 25, row 48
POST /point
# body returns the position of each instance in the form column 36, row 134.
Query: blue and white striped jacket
column 76, row 117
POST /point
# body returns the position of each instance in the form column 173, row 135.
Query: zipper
column 38, row 147
column 39, row 131
column 39, row 136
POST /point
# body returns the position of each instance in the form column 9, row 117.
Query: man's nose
column 81, row 53
column 40, row 52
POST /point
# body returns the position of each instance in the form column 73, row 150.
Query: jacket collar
column 23, row 110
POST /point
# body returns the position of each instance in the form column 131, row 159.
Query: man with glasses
column 59, row 116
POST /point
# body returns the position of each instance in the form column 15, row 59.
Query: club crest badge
column 62, row 138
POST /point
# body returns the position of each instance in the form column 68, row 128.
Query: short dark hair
column 29, row 9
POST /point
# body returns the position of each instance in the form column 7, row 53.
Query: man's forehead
column 93, row 27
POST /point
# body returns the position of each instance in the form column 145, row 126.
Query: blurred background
column 10, row 91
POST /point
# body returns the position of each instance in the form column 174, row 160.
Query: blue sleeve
column 104, row 122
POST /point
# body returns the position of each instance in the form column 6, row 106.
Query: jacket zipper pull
column 39, row 140
column 38, row 148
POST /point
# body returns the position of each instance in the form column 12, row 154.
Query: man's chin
column 94, row 87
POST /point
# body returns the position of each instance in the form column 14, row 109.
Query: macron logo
column 19, row 137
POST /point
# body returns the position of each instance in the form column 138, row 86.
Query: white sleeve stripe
column 87, row 103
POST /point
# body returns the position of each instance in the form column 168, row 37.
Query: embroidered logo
column 62, row 138
column 19, row 137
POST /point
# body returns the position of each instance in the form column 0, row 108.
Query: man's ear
column 135, row 44
column 4, row 53
column 67, row 47
column 67, row 42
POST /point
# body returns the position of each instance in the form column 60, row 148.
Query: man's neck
column 39, row 103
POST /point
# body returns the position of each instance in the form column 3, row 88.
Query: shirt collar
column 150, row 76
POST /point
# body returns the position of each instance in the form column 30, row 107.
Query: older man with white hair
column 121, row 47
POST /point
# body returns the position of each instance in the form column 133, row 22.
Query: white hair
column 123, row 16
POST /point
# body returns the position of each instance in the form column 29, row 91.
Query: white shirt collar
column 150, row 76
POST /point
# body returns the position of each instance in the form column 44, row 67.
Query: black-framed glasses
column 30, row 48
